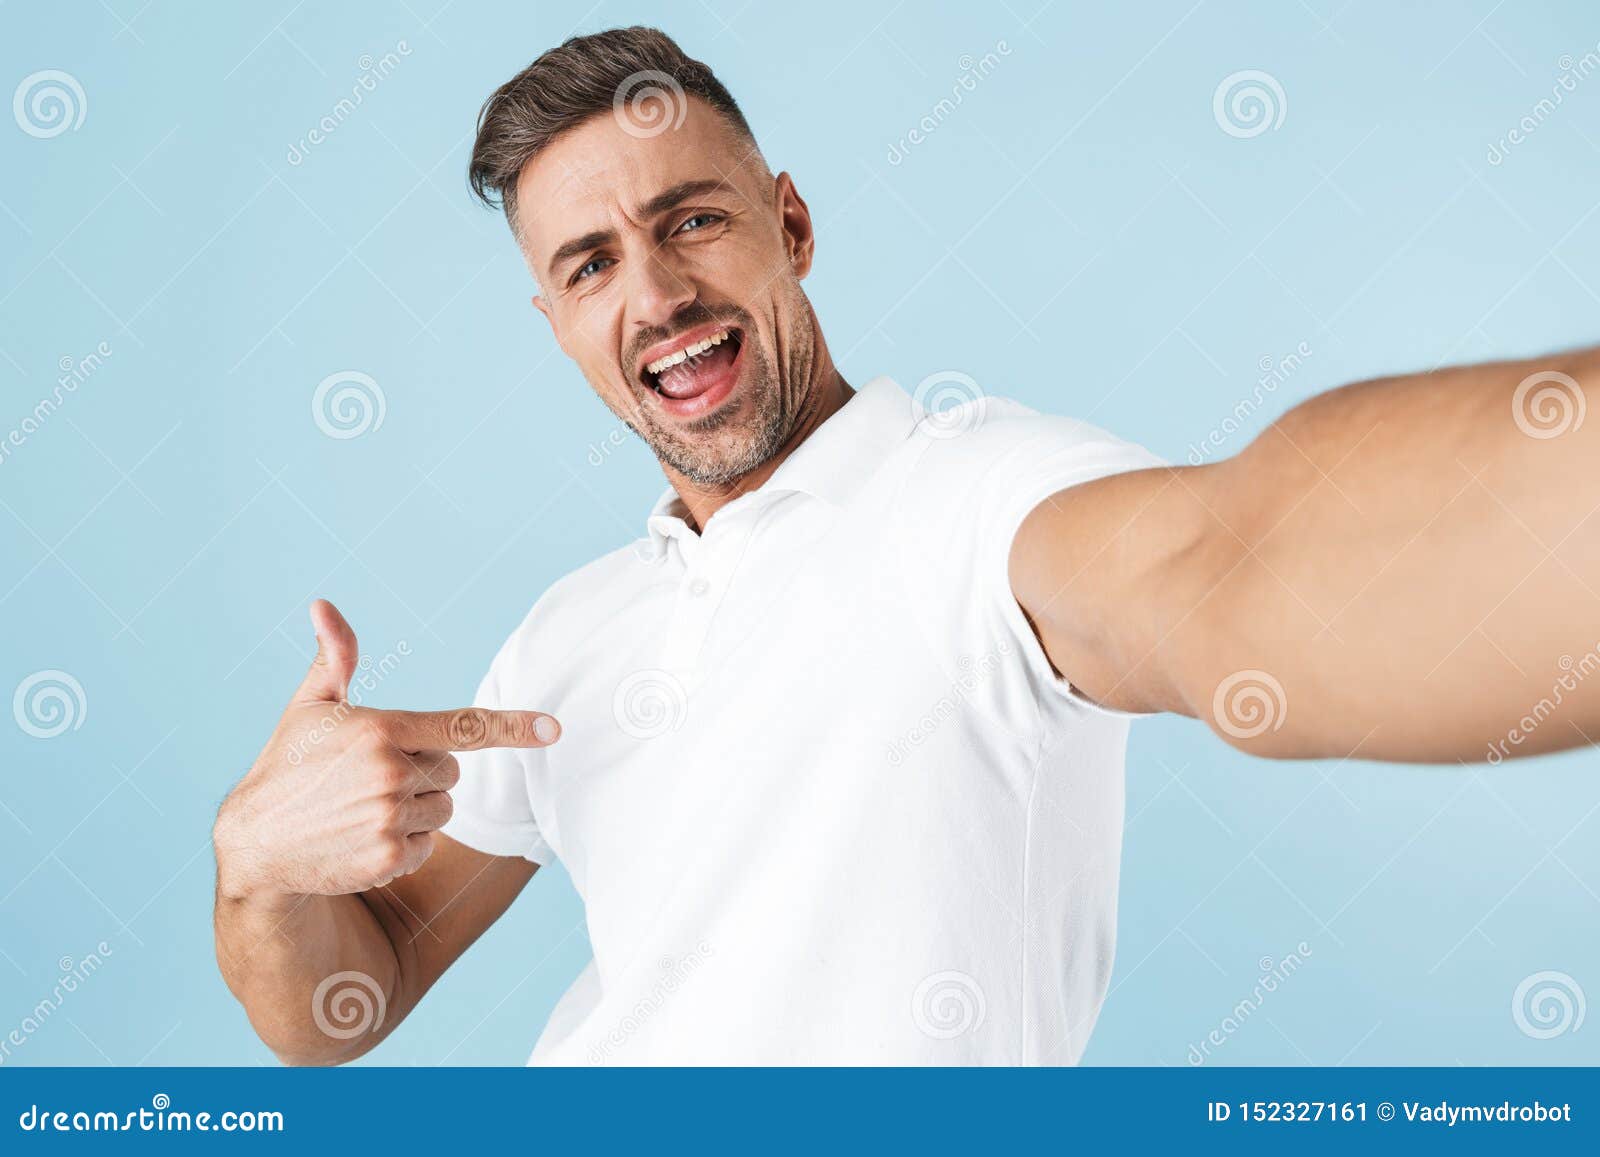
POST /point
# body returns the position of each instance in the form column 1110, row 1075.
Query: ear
column 543, row 307
column 794, row 216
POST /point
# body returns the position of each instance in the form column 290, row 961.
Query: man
column 838, row 766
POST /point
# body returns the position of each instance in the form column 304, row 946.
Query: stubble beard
column 749, row 428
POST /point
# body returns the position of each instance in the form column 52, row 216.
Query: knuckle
column 376, row 825
column 378, row 814
column 448, row 773
column 438, row 775
column 391, row 773
column 372, row 729
column 314, row 736
column 518, row 728
column 387, row 854
column 467, row 728
column 393, row 848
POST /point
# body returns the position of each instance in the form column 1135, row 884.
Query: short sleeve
column 1064, row 454
column 492, row 809
column 971, row 489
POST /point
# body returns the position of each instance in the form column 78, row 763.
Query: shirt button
column 699, row 587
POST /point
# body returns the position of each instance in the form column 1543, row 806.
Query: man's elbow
column 1255, row 711
column 295, row 1049
column 333, row 1026
column 293, row 1059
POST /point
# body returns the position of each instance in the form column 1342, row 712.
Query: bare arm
column 338, row 902
column 277, row 950
column 1405, row 569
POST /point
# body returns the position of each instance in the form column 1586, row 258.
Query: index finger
column 469, row 729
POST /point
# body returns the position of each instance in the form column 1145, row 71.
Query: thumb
column 337, row 654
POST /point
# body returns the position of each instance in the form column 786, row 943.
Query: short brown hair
column 583, row 78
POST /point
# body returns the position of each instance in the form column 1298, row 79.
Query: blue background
column 1080, row 233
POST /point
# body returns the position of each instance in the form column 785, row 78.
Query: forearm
column 1417, row 572
column 339, row 898
column 278, row 952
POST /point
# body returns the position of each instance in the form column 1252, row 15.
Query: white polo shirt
column 822, row 795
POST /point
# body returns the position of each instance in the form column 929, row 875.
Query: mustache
column 691, row 315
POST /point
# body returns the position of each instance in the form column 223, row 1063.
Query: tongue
column 693, row 377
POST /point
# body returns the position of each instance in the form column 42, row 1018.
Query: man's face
column 645, row 246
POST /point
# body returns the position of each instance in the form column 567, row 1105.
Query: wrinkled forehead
column 594, row 176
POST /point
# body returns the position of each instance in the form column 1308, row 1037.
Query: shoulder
column 965, row 452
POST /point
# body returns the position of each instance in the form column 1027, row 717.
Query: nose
column 657, row 290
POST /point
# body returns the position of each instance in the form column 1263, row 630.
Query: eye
column 590, row 268
column 698, row 221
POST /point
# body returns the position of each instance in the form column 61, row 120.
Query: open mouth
column 695, row 372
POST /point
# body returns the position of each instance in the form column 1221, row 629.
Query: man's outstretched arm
column 1406, row 568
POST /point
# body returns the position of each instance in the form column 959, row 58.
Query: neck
column 828, row 393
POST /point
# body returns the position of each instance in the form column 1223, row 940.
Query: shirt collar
column 832, row 464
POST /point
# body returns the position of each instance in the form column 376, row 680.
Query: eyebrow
column 669, row 198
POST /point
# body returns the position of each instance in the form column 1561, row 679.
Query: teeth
column 683, row 355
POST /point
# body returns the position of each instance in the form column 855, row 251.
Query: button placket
column 704, row 585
